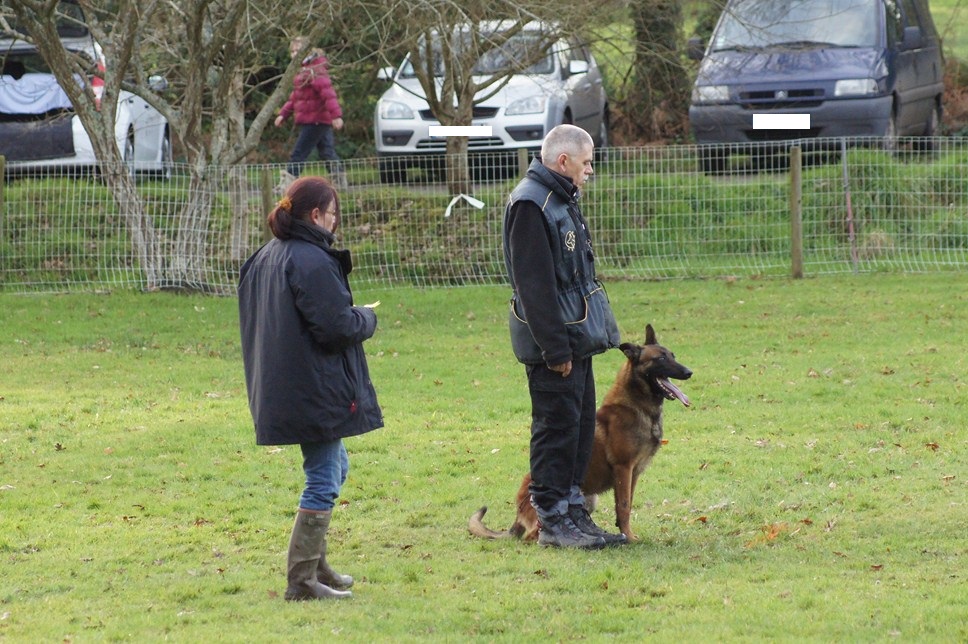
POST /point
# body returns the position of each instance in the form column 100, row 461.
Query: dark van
column 858, row 68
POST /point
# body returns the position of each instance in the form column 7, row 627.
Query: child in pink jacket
column 317, row 112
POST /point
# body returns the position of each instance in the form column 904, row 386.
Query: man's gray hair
column 564, row 139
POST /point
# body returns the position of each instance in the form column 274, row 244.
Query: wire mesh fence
column 654, row 212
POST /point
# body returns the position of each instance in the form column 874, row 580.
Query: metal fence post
column 796, row 212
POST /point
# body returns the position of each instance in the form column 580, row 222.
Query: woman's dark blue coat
column 302, row 342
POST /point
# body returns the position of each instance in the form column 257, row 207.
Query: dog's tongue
column 673, row 391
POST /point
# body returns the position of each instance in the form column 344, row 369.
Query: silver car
column 39, row 129
column 564, row 86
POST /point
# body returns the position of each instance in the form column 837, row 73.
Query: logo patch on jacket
column 570, row 241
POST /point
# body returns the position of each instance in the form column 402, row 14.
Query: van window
column 895, row 32
column 758, row 24
column 910, row 13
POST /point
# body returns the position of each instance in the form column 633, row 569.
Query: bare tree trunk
column 660, row 89
column 145, row 242
column 458, row 170
column 186, row 267
column 238, row 189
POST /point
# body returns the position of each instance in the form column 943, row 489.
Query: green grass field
column 814, row 491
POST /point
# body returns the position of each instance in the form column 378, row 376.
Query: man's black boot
column 560, row 531
column 583, row 521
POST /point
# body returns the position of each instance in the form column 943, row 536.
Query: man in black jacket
column 548, row 254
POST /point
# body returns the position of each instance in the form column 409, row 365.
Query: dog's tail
column 477, row 528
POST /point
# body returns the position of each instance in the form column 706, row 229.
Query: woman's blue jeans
column 326, row 466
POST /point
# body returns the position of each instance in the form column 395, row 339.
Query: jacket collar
column 559, row 183
column 324, row 239
column 312, row 233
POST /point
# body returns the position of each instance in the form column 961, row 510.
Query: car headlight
column 855, row 87
column 530, row 105
column 710, row 94
column 391, row 110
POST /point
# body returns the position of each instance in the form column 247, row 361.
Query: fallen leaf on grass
column 934, row 447
column 876, row 567
column 769, row 533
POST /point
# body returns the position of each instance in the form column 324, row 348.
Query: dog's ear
column 650, row 335
column 631, row 351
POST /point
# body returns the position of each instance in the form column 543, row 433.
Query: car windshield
column 69, row 19
column 16, row 65
column 761, row 24
column 500, row 60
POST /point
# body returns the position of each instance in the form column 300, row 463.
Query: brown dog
column 628, row 433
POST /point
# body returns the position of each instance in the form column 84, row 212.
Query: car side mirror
column 695, row 48
column 385, row 74
column 577, row 67
column 157, row 83
column 912, row 38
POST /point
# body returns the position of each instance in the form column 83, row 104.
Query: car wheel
column 392, row 170
column 167, row 160
column 601, row 150
column 926, row 144
column 889, row 140
column 127, row 155
column 713, row 159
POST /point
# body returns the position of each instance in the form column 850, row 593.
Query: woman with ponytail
column 305, row 370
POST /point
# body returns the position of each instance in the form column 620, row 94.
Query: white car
column 40, row 131
column 564, row 86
